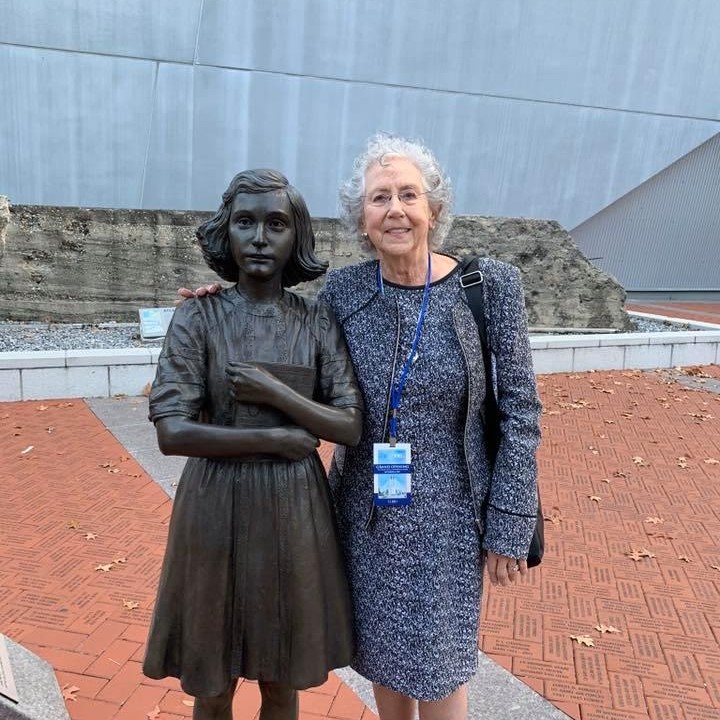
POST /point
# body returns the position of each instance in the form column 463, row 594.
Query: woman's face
column 396, row 228
column 261, row 233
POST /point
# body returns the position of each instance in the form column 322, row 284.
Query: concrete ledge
column 104, row 373
column 76, row 373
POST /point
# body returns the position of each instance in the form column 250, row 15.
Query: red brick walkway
column 83, row 531
column 697, row 311
column 630, row 483
column 630, row 475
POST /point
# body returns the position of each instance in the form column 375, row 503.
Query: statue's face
column 261, row 233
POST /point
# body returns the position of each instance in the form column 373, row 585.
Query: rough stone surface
column 4, row 221
column 39, row 694
column 64, row 264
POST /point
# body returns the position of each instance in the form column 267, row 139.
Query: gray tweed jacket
column 504, row 497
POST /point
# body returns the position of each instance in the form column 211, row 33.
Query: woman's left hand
column 251, row 384
column 504, row 570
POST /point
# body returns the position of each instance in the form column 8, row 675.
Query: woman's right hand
column 294, row 443
column 203, row 290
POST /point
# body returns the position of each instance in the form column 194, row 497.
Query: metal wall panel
column 73, row 127
column 665, row 234
column 551, row 109
column 634, row 55
column 169, row 170
column 504, row 157
column 157, row 29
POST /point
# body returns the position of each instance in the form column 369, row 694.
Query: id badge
column 392, row 474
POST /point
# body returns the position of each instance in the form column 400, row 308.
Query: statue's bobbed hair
column 212, row 235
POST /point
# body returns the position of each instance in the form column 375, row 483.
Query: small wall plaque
column 154, row 322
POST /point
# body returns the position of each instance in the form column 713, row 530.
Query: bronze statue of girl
column 249, row 379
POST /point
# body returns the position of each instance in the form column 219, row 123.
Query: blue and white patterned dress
column 416, row 571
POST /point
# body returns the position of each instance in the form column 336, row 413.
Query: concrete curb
column 109, row 373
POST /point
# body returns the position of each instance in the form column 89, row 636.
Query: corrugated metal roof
column 664, row 234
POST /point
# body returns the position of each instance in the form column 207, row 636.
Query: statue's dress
column 252, row 584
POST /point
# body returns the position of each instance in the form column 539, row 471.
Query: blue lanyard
column 397, row 388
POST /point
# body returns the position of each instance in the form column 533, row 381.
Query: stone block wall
column 65, row 264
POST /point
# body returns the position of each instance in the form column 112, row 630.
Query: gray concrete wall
column 82, row 265
column 548, row 109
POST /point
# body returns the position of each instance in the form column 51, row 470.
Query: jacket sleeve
column 512, row 502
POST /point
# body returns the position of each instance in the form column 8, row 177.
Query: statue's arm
column 178, row 435
column 253, row 384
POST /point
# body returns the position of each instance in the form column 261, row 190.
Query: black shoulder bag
column 471, row 279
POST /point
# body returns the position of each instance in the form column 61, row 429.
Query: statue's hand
column 203, row 290
column 251, row 384
column 294, row 443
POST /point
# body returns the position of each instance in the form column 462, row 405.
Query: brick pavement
column 626, row 466
column 83, row 532
column 697, row 311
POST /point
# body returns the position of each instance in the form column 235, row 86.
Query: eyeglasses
column 383, row 199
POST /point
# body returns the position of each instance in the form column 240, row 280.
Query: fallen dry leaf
column 654, row 520
column 583, row 640
column 595, row 498
column 50, row 430
column 681, row 462
column 69, row 692
column 684, row 558
column 640, row 461
column 146, row 389
column 104, row 568
column 715, row 567
column 27, row 450
column 120, row 560
column 130, row 604
column 154, row 713
column 555, row 516
column 609, row 422
column 189, row 703
column 620, row 474
column 638, row 555
column 90, row 536
column 701, row 416
column 606, row 480
column 73, row 524
column 711, row 461
column 42, row 408
column 606, row 629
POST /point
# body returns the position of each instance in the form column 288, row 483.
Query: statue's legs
column 279, row 702
column 215, row 708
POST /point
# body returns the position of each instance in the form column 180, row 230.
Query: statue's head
column 213, row 235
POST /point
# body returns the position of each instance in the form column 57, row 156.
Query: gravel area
column 23, row 337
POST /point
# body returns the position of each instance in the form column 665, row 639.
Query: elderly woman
column 416, row 569
column 253, row 583
column 416, row 563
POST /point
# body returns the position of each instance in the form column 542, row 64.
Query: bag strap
column 471, row 279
